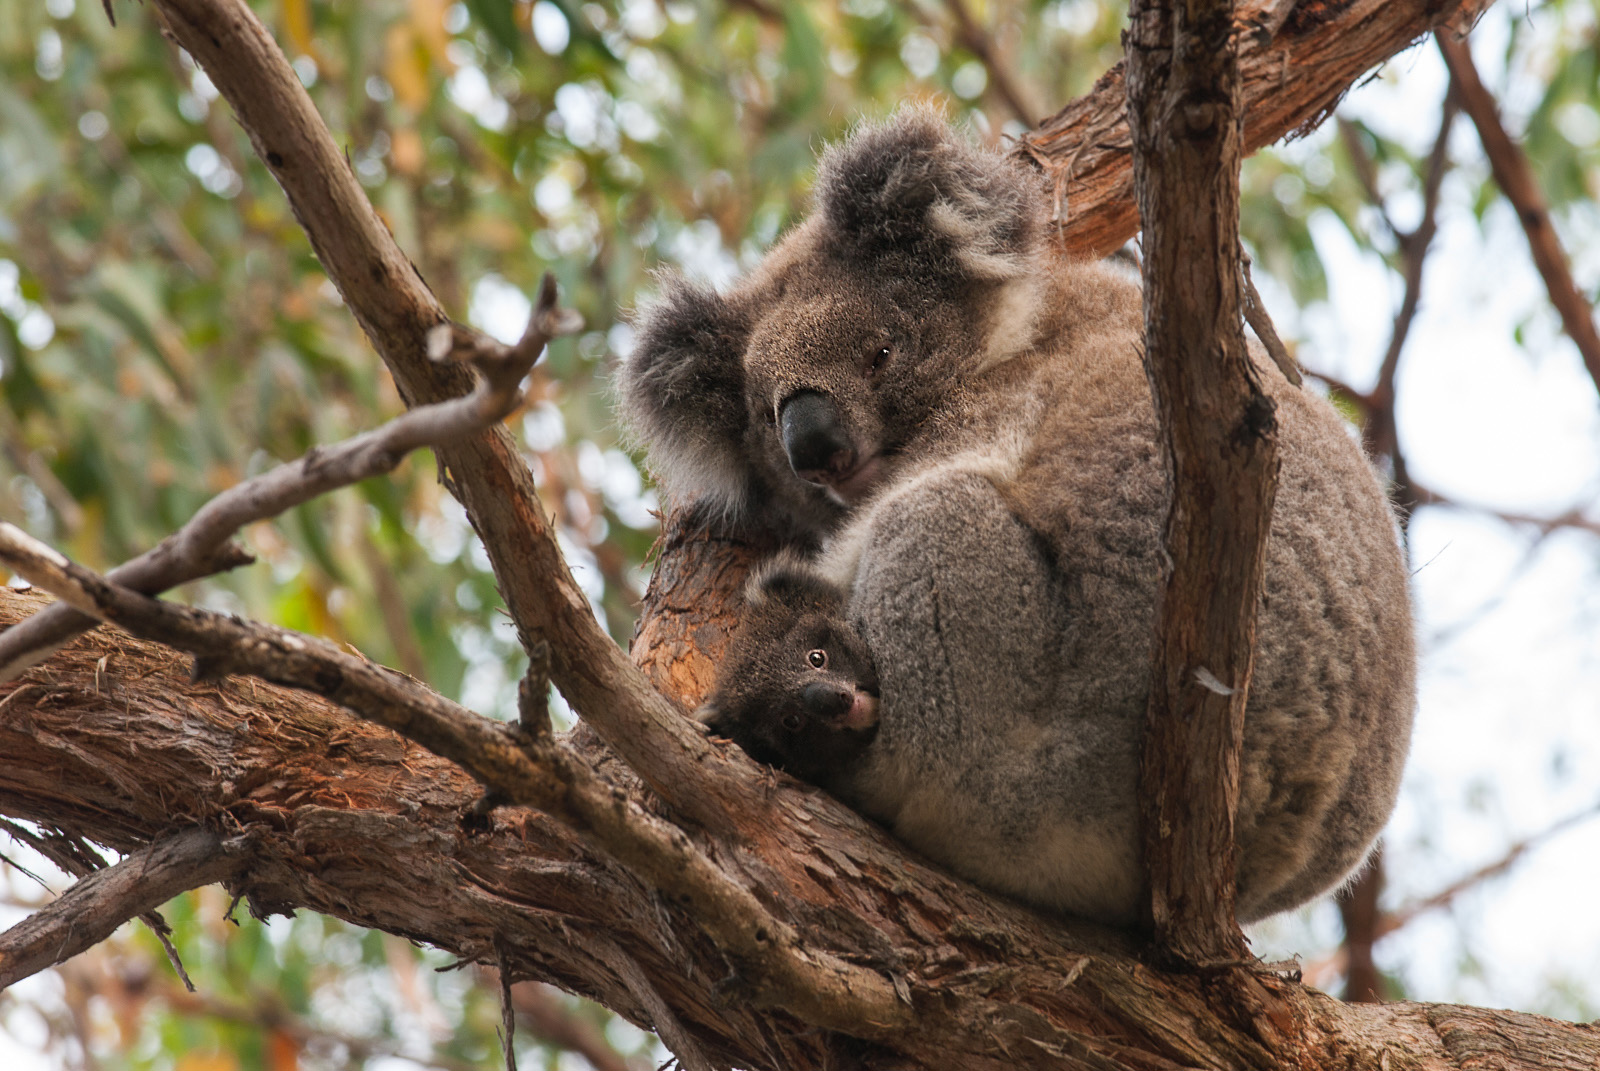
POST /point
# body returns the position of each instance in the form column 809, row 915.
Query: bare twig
column 1319, row 972
column 203, row 546
column 1255, row 314
column 1220, row 436
column 543, row 1014
column 1508, row 859
column 814, row 985
column 1516, row 180
column 1574, row 518
column 97, row 904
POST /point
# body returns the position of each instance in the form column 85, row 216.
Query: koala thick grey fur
column 913, row 385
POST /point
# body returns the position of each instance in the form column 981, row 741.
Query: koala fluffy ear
column 682, row 392
column 912, row 187
column 787, row 580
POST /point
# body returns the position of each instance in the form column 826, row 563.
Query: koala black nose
column 825, row 700
column 814, row 437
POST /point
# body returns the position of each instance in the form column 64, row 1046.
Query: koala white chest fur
column 955, row 430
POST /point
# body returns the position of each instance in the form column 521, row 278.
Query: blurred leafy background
column 165, row 330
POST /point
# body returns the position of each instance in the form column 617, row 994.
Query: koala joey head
column 791, row 398
column 797, row 689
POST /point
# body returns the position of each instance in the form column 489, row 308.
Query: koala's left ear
column 913, row 187
column 682, row 392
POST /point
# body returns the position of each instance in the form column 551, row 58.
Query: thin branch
column 1573, row 518
column 204, row 545
column 973, row 38
column 96, row 905
column 1516, row 180
column 541, row 773
column 548, row 1018
column 1319, row 972
column 1260, row 321
column 1402, row 915
column 1220, row 438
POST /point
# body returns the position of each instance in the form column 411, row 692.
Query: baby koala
column 797, row 689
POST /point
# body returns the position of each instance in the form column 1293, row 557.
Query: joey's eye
column 772, row 416
column 791, row 722
column 817, row 659
column 876, row 359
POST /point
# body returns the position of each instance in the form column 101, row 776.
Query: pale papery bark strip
column 1516, row 180
column 535, row 772
column 96, row 905
column 1291, row 79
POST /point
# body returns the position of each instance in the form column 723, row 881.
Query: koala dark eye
column 817, row 659
column 877, row 358
column 772, row 417
column 791, row 722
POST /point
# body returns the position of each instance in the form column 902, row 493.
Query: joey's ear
column 789, row 582
column 682, row 391
column 915, row 188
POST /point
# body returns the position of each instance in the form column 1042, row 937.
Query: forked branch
column 204, row 545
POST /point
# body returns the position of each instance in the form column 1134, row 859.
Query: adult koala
column 914, row 383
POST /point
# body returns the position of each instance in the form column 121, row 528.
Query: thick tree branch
column 485, row 471
column 1221, row 441
column 87, row 913
column 1516, row 180
column 345, row 819
column 537, row 772
column 204, row 546
column 1290, row 82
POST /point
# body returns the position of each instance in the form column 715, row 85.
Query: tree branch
column 1516, row 180
column 1221, row 444
column 204, row 546
column 485, row 471
column 347, row 820
column 1288, row 84
column 97, row 904
column 534, row 772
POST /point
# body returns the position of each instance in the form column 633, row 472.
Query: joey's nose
column 825, row 700
column 814, row 437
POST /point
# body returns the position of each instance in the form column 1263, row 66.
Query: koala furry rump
column 956, row 423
